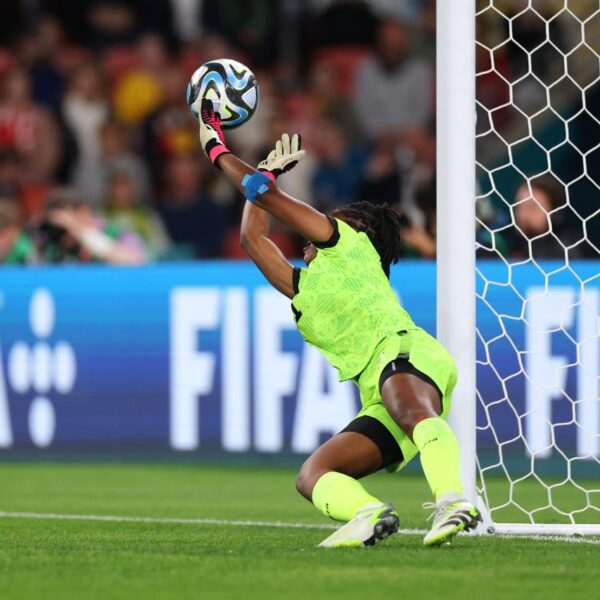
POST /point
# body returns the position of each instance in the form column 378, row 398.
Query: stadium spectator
column 14, row 183
column 419, row 240
column 125, row 210
column 493, row 91
column 299, row 181
column 585, row 193
column 187, row 19
column 322, row 98
column 418, row 243
column 425, row 22
column 28, row 127
column 140, row 91
column 10, row 173
column 115, row 155
column 212, row 46
column 529, row 33
column 109, row 22
column 381, row 177
column 250, row 25
column 338, row 173
column 194, row 221
column 79, row 113
column 540, row 227
column 171, row 128
column 43, row 56
column 346, row 22
column 85, row 111
column 69, row 230
column 393, row 93
column 16, row 248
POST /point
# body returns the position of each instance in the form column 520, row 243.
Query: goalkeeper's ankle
column 450, row 498
column 370, row 507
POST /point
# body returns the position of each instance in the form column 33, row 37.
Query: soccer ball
column 231, row 86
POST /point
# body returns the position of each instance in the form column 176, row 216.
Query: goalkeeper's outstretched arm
column 300, row 217
column 263, row 252
column 258, row 186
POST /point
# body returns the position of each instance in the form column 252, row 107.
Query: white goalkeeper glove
column 284, row 157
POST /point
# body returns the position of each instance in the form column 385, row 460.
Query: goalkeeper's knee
column 307, row 478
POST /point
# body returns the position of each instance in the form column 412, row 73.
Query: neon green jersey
column 344, row 304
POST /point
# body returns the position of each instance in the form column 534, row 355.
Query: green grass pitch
column 43, row 558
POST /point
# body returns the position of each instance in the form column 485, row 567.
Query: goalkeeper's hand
column 211, row 134
column 284, row 157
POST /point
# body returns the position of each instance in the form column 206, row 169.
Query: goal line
column 265, row 524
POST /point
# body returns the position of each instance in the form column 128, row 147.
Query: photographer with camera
column 68, row 230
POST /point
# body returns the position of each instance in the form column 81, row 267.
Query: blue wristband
column 255, row 184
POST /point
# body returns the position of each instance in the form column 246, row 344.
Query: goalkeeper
column 344, row 305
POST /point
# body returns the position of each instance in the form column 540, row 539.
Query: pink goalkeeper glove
column 211, row 134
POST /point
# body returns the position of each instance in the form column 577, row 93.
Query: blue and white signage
column 206, row 356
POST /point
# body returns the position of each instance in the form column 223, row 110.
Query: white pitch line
column 280, row 524
column 184, row 521
column 550, row 538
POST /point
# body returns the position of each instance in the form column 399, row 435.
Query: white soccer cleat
column 452, row 514
column 370, row 525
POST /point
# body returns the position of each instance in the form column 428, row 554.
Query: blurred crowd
column 99, row 158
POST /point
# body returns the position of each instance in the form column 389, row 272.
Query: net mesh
column 538, row 281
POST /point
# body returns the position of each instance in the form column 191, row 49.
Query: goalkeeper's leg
column 415, row 404
column 329, row 479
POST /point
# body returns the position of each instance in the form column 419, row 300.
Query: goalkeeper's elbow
column 248, row 241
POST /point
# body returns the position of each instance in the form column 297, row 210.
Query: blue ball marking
column 238, row 84
column 241, row 119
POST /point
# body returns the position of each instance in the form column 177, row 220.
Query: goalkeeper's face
column 310, row 252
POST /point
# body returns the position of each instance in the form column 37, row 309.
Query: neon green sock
column 340, row 497
column 440, row 456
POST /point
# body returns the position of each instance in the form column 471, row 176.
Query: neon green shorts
column 426, row 355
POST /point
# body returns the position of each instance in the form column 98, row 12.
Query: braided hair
column 382, row 225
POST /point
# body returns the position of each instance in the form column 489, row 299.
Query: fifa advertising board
column 206, row 357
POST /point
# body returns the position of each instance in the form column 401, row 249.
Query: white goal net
column 538, row 264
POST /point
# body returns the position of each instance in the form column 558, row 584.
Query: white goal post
column 562, row 501
column 455, row 171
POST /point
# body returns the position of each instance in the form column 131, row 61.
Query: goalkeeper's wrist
column 214, row 150
column 270, row 174
column 254, row 184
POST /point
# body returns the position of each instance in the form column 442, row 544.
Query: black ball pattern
column 232, row 83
